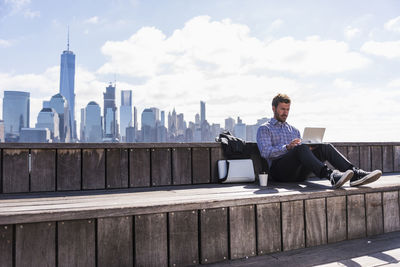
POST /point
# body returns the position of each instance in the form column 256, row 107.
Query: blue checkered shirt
column 272, row 138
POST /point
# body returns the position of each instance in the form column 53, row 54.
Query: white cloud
column 344, row 84
column 92, row 20
column 21, row 7
column 351, row 32
column 275, row 25
column 31, row 14
column 393, row 25
column 389, row 50
column 394, row 83
column 5, row 43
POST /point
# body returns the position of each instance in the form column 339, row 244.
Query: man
column 291, row 161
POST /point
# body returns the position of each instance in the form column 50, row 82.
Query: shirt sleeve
column 264, row 144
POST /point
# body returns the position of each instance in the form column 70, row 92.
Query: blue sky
column 338, row 60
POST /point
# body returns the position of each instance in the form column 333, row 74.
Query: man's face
column 281, row 112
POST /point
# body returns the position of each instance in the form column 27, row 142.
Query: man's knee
column 301, row 148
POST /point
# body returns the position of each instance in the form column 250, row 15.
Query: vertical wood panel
column 293, row 225
column 268, row 228
column 201, row 165
column 43, row 172
column 388, row 165
column 115, row 242
column 376, row 158
column 139, row 167
column 343, row 150
column 216, row 154
column 183, row 238
column 35, row 244
column 151, row 247
column 182, row 166
column 93, row 169
column 396, row 158
column 356, row 216
column 365, row 158
column 117, row 168
column 336, row 218
column 76, row 243
column 6, row 245
column 353, row 154
column 242, row 231
column 161, row 166
column 373, row 206
column 258, row 162
column 391, row 211
column 68, row 169
column 15, row 171
column 214, row 235
column 315, row 222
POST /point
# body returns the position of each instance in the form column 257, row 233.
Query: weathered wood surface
column 161, row 166
column 373, row 209
column 93, row 169
column 242, row 232
column 139, row 167
column 365, row 158
column 216, row 154
column 15, row 170
column 336, row 218
column 293, row 225
column 343, row 150
column 117, row 168
column 201, row 165
column 182, row 166
column 43, row 173
column 353, row 155
column 68, row 169
column 315, row 212
column 268, row 228
column 396, row 158
column 388, row 157
column 6, row 245
column 391, row 211
column 356, row 216
column 376, row 158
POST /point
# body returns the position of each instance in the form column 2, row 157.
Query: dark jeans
column 298, row 163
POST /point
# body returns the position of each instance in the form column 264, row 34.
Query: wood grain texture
column 376, row 158
column 365, row 158
column 373, row 209
column 342, row 150
column 388, row 164
column 115, row 241
column 201, row 165
column 139, row 167
column 43, row 173
column 183, row 238
column 161, row 166
column 356, row 216
column 15, row 170
column 151, row 244
column 35, row 244
column 182, row 166
column 336, row 218
column 396, row 153
column 68, row 169
column 242, row 231
column 216, row 154
column 213, row 235
column 391, row 211
column 293, row 236
column 117, row 171
column 315, row 212
column 6, row 245
column 268, row 228
column 76, row 243
column 93, row 169
column 353, row 155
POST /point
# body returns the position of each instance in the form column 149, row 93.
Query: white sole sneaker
column 372, row 177
column 347, row 175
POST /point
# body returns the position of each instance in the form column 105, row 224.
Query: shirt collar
column 276, row 122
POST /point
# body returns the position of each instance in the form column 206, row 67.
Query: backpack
column 233, row 147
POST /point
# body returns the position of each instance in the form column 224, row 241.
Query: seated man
column 291, row 161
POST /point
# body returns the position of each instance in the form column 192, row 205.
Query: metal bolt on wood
column 62, row 223
column 5, row 227
column 21, row 226
column 205, row 260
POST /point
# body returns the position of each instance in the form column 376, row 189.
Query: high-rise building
column 60, row 104
column 240, row 129
column 110, row 112
column 67, row 84
column 229, row 124
column 1, row 131
column 202, row 112
column 82, row 126
column 148, row 125
column 125, row 112
column 16, row 109
column 93, row 127
column 48, row 118
column 35, row 135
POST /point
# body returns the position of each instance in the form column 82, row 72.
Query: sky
column 339, row 61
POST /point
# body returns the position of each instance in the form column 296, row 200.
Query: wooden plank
column 365, row 158
column 139, row 167
column 315, row 211
column 76, row 243
column 213, row 235
column 342, row 150
column 293, row 236
column 117, row 168
column 182, row 166
column 115, row 241
column 15, row 171
column 161, row 166
column 183, row 238
column 373, row 207
column 151, row 247
column 43, row 172
column 376, row 158
column 93, row 169
column 356, row 216
column 35, row 244
column 6, row 245
column 391, row 211
column 353, row 155
column 396, row 158
column 216, row 154
column 388, row 164
column 68, row 169
column 336, row 218
column 242, row 231
column 268, row 228
column 258, row 162
column 201, row 165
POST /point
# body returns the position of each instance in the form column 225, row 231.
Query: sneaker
column 338, row 178
column 362, row 177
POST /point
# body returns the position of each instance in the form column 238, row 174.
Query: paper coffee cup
column 263, row 177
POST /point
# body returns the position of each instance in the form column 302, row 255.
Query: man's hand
column 294, row 143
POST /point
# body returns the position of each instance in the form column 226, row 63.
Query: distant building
column 93, row 126
column 110, row 112
column 130, row 134
column 125, row 112
column 16, row 109
column 82, row 126
column 202, row 111
column 215, row 130
column 240, row 129
column 60, row 104
column 2, row 131
column 35, row 135
column 229, row 124
column 148, row 125
column 48, row 118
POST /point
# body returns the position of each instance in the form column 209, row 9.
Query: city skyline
column 339, row 61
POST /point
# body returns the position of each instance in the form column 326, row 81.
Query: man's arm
column 264, row 144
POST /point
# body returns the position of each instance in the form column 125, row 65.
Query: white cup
column 263, row 177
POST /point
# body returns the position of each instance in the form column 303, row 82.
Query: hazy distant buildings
column 148, row 125
column 35, row 135
column 48, row 118
column 93, row 126
column 202, row 111
column 110, row 112
column 2, row 131
column 240, row 129
column 16, row 109
column 125, row 112
column 229, row 124
column 60, row 104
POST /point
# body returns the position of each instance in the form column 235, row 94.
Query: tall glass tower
column 16, row 106
column 110, row 112
column 67, row 84
column 125, row 112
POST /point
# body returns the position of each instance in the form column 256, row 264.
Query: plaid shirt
column 272, row 138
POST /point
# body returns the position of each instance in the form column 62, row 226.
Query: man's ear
column 273, row 109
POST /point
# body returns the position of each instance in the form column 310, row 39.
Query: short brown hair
column 280, row 98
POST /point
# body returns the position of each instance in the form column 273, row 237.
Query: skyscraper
column 148, row 125
column 125, row 112
column 93, row 129
column 67, row 84
column 60, row 104
column 202, row 112
column 16, row 109
column 48, row 118
column 110, row 112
